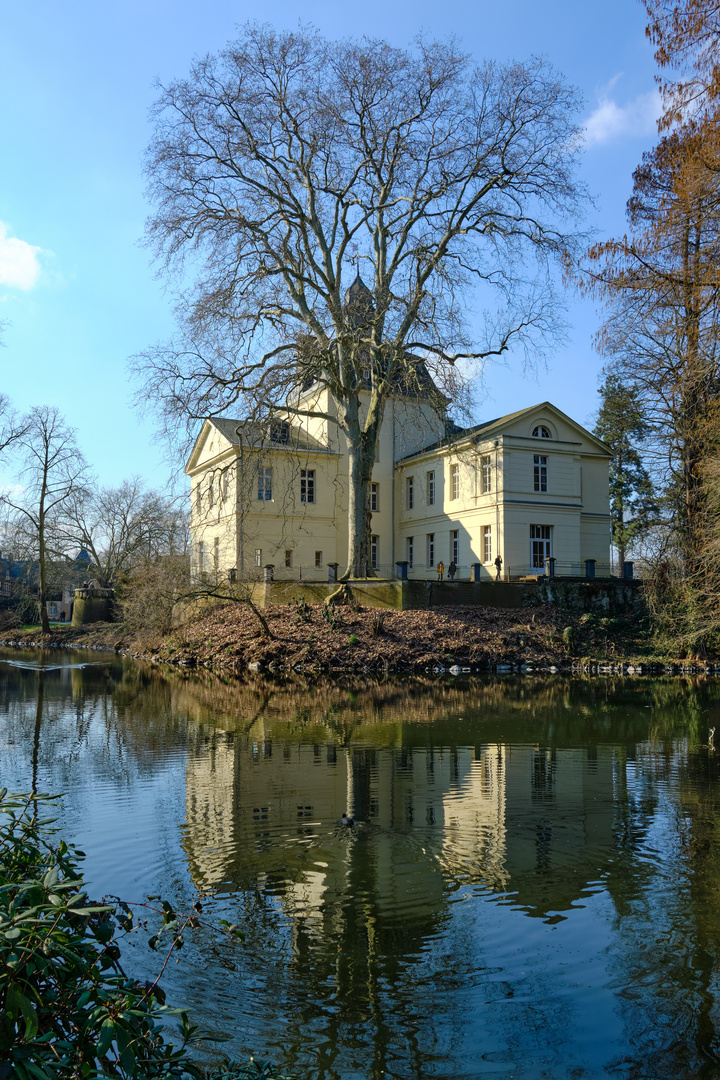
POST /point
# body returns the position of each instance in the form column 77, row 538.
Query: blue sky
column 76, row 287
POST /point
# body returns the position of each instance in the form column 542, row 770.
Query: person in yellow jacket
column 440, row 570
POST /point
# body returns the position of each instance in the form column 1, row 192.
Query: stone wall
column 608, row 596
column 605, row 597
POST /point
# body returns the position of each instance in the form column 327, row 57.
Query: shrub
column 67, row 1010
column 353, row 639
column 28, row 611
column 9, row 620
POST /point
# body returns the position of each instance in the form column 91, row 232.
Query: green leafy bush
column 67, row 1009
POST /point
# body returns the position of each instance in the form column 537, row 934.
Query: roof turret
column 359, row 302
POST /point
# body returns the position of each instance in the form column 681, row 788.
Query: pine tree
column 620, row 424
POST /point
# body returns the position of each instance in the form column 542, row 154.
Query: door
column 540, row 545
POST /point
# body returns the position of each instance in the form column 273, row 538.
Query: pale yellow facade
column 529, row 486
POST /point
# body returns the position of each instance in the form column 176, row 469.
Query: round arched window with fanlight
column 541, row 432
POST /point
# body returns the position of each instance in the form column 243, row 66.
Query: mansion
column 528, row 487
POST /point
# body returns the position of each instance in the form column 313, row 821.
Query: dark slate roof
column 253, row 433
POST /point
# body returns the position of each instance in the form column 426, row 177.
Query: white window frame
column 541, row 432
column 374, row 497
column 430, row 541
column 258, row 556
column 288, row 558
column 540, row 545
column 265, row 483
column 486, row 470
column 374, row 551
column 487, row 543
column 318, row 558
column 410, row 552
column 430, row 487
column 455, row 546
column 307, row 485
column 540, row 472
column 279, row 431
column 454, row 481
column 410, row 492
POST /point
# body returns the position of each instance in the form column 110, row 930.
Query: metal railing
column 464, row 572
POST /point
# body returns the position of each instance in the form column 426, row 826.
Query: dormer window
column 541, row 432
column 279, row 431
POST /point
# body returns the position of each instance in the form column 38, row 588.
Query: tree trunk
column 358, row 560
column 44, row 619
column 362, row 444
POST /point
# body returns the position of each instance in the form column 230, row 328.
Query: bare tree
column 122, row 527
column 53, row 472
column 686, row 34
column 662, row 331
column 284, row 165
column 12, row 426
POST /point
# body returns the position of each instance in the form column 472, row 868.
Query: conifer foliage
column 622, row 426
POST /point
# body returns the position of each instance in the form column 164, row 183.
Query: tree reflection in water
column 530, row 889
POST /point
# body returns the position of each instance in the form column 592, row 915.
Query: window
column 454, row 481
column 487, row 543
column 431, row 488
column 201, row 557
column 374, row 497
column 307, row 485
column 410, row 492
column 455, row 546
column 225, row 484
column 211, row 492
column 410, row 552
column 216, row 553
column 486, row 474
column 288, row 557
column 198, row 498
column 265, row 483
column 258, row 556
column 431, row 549
column 541, row 472
column 374, row 543
column 318, row 558
column 540, row 545
column 541, row 432
column 279, row 431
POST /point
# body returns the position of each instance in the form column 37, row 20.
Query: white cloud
column 610, row 120
column 19, row 261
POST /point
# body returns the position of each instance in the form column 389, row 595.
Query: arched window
column 541, row 432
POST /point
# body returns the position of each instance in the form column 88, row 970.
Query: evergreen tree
column 621, row 425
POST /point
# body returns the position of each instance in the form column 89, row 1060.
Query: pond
column 531, row 888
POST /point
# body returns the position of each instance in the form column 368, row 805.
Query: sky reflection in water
column 530, row 891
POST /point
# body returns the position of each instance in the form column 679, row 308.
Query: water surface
column 531, row 888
